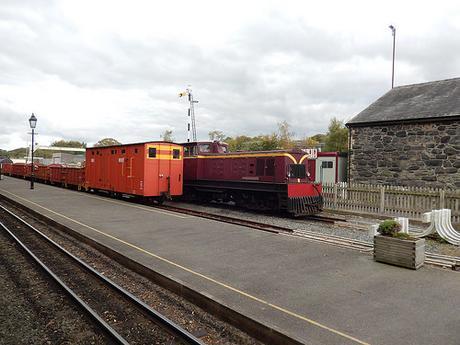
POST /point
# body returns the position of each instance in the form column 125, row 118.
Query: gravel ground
column 195, row 320
column 355, row 227
column 34, row 310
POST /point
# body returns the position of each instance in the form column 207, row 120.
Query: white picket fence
column 409, row 202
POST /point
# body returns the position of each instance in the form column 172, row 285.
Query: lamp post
column 393, row 32
column 33, row 124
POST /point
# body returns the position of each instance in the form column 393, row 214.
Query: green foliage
column 336, row 137
column 4, row 153
column 258, row 143
column 18, row 153
column 216, row 135
column 107, row 142
column 69, row 143
column 403, row 236
column 167, row 135
column 282, row 139
column 389, row 227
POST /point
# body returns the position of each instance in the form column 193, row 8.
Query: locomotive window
column 270, row 167
column 176, row 154
column 297, row 171
column 152, row 152
column 204, row 148
column 327, row 165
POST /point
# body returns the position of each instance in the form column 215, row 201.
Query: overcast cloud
column 94, row 69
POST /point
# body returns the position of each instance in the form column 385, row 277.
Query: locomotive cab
column 193, row 149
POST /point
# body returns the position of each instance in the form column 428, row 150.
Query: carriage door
column 164, row 165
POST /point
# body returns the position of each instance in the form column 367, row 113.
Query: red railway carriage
column 20, row 170
column 266, row 180
column 7, row 168
column 66, row 175
column 151, row 169
column 42, row 173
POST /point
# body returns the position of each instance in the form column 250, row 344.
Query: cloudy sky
column 94, row 69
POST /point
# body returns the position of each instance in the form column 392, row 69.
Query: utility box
column 151, row 169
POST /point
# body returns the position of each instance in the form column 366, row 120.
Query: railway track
column 438, row 260
column 120, row 315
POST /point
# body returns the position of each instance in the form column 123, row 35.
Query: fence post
column 335, row 195
column 442, row 198
column 382, row 199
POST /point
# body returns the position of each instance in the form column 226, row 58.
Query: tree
column 337, row 136
column 69, row 143
column 167, row 135
column 107, row 142
column 310, row 142
column 216, row 135
column 285, row 136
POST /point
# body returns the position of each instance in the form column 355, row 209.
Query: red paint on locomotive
column 256, row 179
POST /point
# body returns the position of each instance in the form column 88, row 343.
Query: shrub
column 389, row 228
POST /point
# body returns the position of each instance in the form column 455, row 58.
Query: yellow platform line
column 149, row 209
column 254, row 298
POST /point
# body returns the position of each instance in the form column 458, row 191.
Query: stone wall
column 425, row 154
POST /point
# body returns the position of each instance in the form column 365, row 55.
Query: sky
column 94, row 69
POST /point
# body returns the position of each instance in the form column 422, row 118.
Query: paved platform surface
column 315, row 293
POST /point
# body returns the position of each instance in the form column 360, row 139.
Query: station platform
column 312, row 292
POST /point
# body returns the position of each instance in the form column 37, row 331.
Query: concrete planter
column 399, row 252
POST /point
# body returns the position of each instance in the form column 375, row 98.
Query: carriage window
column 297, row 171
column 176, row 154
column 152, row 152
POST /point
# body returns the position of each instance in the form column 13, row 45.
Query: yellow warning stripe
column 254, row 298
column 247, row 155
column 303, row 158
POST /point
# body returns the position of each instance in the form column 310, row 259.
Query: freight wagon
column 150, row 170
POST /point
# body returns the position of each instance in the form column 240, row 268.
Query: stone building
column 410, row 136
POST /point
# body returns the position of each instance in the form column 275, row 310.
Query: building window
column 152, row 152
column 123, row 151
column 176, row 154
column 135, row 150
column 326, row 165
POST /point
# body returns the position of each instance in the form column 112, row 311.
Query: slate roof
column 434, row 100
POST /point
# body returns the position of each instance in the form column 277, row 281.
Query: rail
column 157, row 317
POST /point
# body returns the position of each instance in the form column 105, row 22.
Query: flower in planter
column 389, row 227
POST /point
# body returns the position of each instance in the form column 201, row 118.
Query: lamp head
column 33, row 121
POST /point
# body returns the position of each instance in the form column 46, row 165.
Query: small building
column 410, row 136
column 331, row 167
column 66, row 158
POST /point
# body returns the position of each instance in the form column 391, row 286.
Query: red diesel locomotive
column 264, row 180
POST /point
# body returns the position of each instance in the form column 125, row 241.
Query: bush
column 389, row 228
